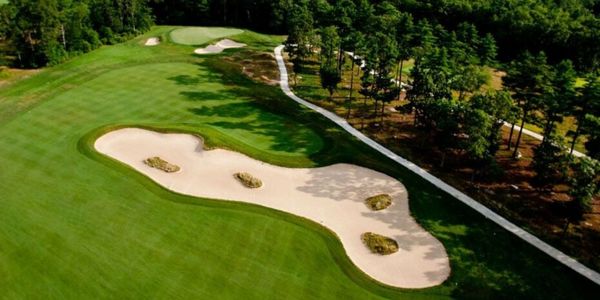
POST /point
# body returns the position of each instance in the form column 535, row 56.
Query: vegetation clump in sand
column 248, row 180
column 379, row 202
column 158, row 163
column 379, row 244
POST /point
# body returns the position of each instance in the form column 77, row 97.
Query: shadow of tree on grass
column 486, row 261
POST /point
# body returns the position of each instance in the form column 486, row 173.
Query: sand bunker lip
column 153, row 41
column 219, row 47
column 332, row 196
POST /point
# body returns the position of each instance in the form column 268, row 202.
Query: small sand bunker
column 153, row 41
column 219, row 47
column 333, row 196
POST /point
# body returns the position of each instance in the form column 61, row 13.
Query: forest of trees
column 445, row 93
column 544, row 46
column 42, row 32
column 565, row 29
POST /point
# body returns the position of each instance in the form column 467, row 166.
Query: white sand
column 332, row 196
column 219, row 47
column 153, row 41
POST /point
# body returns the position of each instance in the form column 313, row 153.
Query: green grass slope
column 75, row 224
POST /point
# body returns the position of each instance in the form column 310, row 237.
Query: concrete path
column 529, row 238
column 538, row 136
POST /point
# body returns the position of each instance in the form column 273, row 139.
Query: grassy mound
column 201, row 35
column 379, row 202
column 379, row 244
column 248, row 180
column 158, row 163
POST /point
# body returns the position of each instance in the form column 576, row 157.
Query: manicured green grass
column 75, row 224
column 201, row 35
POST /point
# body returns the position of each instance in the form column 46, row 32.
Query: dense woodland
column 47, row 31
column 545, row 47
column 446, row 92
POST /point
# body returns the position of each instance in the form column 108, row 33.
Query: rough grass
column 379, row 244
column 379, row 202
column 201, row 35
column 163, row 165
column 248, row 180
column 77, row 225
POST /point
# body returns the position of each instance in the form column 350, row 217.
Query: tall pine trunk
column 400, row 79
column 362, row 115
column 510, row 136
column 548, row 129
column 340, row 58
column 443, row 162
column 575, row 137
column 398, row 82
column 64, row 40
column 382, row 113
column 580, row 122
column 520, row 135
column 351, row 90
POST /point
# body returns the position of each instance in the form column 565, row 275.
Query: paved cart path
column 538, row 136
column 526, row 236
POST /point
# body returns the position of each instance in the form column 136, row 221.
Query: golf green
column 201, row 35
column 75, row 224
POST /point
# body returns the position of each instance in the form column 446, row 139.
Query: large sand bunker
column 219, row 47
column 332, row 196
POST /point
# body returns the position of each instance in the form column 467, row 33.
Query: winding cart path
column 524, row 235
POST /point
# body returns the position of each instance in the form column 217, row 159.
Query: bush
column 248, row 180
column 379, row 244
column 159, row 163
column 379, row 202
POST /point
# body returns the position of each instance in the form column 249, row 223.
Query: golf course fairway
column 76, row 224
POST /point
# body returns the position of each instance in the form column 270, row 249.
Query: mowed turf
column 201, row 35
column 74, row 224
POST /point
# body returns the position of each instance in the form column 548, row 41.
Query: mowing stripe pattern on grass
column 488, row 213
column 75, row 224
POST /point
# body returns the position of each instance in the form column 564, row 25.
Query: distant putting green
column 201, row 35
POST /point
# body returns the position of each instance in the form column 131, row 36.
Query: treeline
column 563, row 29
column 446, row 93
column 261, row 15
column 42, row 32
column 566, row 29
